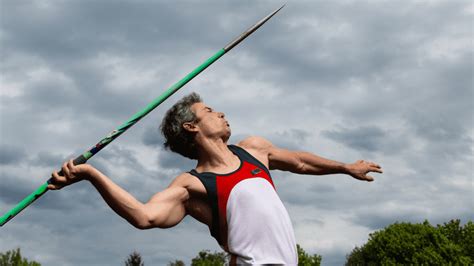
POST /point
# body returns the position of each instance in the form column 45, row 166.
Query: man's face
column 210, row 124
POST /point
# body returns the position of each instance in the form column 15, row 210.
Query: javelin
column 135, row 118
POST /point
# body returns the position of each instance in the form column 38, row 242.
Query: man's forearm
column 118, row 199
column 314, row 165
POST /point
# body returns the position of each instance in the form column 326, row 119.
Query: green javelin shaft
column 135, row 118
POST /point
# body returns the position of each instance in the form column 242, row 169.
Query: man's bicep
column 285, row 160
column 278, row 158
column 167, row 208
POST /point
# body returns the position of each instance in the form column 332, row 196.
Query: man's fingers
column 65, row 169
column 375, row 169
column 372, row 164
column 369, row 178
column 376, row 165
column 70, row 165
column 58, row 178
column 55, row 175
column 54, row 187
column 57, row 182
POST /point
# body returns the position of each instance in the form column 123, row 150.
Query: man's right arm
column 165, row 209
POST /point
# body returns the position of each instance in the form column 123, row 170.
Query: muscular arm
column 306, row 163
column 165, row 209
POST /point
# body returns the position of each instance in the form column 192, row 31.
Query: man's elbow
column 141, row 226
column 140, row 223
column 298, row 164
column 140, row 220
column 300, row 168
column 149, row 223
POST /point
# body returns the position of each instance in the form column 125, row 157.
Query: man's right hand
column 71, row 174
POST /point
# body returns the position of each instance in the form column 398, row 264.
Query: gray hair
column 177, row 138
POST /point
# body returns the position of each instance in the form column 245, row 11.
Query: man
column 230, row 190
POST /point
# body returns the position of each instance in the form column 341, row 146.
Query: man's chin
column 227, row 135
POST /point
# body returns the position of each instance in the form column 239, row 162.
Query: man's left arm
column 306, row 163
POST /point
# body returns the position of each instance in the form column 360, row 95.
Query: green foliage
column 205, row 258
column 14, row 258
column 134, row 259
column 417, row 244
column 307, row 260
column 176, row 263
column 459, row 235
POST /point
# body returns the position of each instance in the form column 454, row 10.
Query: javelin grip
column 79, row 160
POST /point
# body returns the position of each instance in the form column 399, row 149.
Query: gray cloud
column 166, row 158
column 170, row 160
column 153, row 137
column 363, row 138
column 13, row 189
column 291, row 139
column 48, row 159
column 11, row 154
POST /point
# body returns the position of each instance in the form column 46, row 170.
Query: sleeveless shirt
column 249, row 220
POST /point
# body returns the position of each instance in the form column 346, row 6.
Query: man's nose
column 221, row 115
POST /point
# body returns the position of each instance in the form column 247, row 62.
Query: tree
column 14, row 258
column 205, row 258
column 307, row 260
column 176, row 263
column 416, row 244
column 134, row 259
column 459, row 235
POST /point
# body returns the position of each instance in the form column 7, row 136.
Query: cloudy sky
column 387, row 81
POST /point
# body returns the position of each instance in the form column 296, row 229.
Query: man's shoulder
column 182, row 180
column 258, row 147
column 255, row 143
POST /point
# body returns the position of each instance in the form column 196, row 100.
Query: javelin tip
column 251, row 30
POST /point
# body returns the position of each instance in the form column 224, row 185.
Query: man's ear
column 190, row 126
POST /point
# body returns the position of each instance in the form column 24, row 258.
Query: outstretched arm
column 306, row 163
column 165, row 209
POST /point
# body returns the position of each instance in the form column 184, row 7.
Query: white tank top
column 249, row 220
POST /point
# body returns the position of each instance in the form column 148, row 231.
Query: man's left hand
column 361, row 168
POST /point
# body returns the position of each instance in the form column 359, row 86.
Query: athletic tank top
column 249, row 221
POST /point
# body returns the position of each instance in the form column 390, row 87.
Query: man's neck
column 215, row 156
